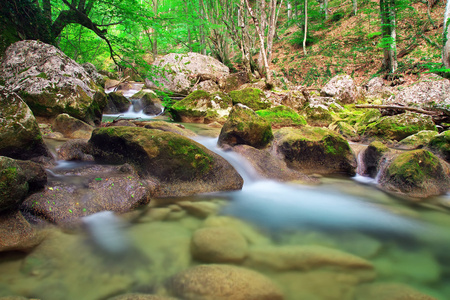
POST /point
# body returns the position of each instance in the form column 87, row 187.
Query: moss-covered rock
column 180, row 164
column 202, row 107
column 166, row 126
column 234, row 81
column 315, row 150
column 368, row 117
column 318, row 116
column 397, row 127
column 251, row 97
column 17, row 179
column 245, row 127
column 282, row 116
column 68, row 125
column 440, row 145
column 148, row 102
column 346, row 130
column 417, row 173
column 371, row 158
column 418, row 140
column 19, row 132
column 117, row 103
column 52, row 83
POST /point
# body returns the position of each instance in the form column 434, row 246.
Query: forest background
column 305, row 42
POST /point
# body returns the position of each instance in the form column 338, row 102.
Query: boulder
column 318, row 115
column 117, row 103
column 223, row 282
column 169, row 127
column 346, row 130
column 209, row 86
column 72, row 194
column 315, row 150
column 341, row 87
column 76, row 149
column 19, row 132
column 148, row 102
column 69, row 126
column 92, row 71
column 431, row 92
column 136, row 296
column 308, row 258
column 202, row 107
column 397, row 127
column 251, row 97
column 51, row 83
column 417, row 174
column 440, row 145
column 282, row 116
column 234, row 81
column 391, row 291
column 245, row 127
column 376, row 88
column 371, row 158
column 181, row 165
column 218, row 245
column 180, row 72
column 418, row 140
column 16, row 234
column 17, row 180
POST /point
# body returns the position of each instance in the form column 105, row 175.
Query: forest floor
column 350, row 44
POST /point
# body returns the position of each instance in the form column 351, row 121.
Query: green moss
column 440, row 144
column 42, row 75
column 253, row 98
column 414, row 167
column 282, row 116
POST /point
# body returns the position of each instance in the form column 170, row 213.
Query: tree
column 446, row 35
column 306, row 27
column 388, row 42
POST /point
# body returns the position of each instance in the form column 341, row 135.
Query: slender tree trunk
column 387, row 12
column 202, row 28
column 272, row 26
column 289, row 10
column 306, row 27
column 261, row 41
column 355, row 7
column 446, row 35
column 325, row 8
column 154, row 33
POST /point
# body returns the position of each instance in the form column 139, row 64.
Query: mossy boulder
column 234, row 81
column 117, row 103
column 341, row 87
column 346, row 130
column 371, row 159
column 397, row 127
column 418, row 140
column 368, row 117
column 69, row 126
column 251, row 97
column 166, row 126
column 17, row 180
column 315, row 150
column 181, row 165
column 245, row 127
column 319, row 115
column 148, row 102
column 19, row 132
column 51, row 83
column 282, row 116
column 202, row 107
column 417, row 174
column 440, row 145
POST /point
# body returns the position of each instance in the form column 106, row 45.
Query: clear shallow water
column 139, row 251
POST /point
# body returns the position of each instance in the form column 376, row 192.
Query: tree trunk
column 355, row 7
column 289, row 10
column 387, row 13
column 154, row 33
column 306, row 27
column 261, row 41
column 446, row 35
column 325, row 8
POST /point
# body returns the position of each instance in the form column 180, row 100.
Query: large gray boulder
column 180, row 72
column 19, row 132
column 50, row 82
column 341, row 87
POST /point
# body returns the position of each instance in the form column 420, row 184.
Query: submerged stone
column 417, row 173
column 245, row 127
column 70, row 126
column 223, row 282
column 315, row 150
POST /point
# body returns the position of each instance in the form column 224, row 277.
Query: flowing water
column 140, row 251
